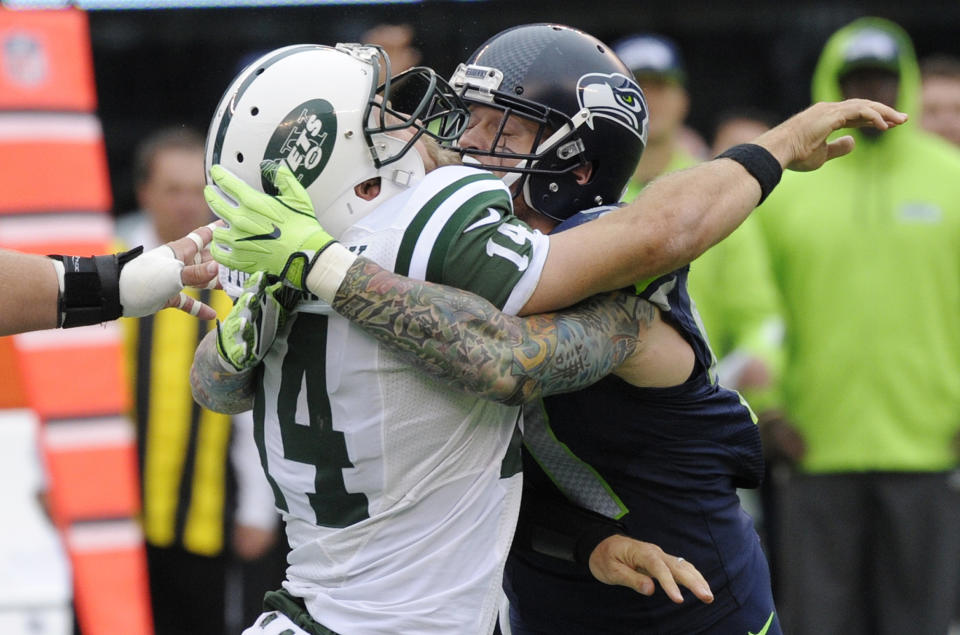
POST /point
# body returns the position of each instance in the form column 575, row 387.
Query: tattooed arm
column 463, row 339
column 213, row 387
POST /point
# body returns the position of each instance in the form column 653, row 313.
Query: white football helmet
column 318, row 109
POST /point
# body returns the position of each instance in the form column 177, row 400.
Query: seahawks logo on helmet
column 615, row 97
column 303, row 141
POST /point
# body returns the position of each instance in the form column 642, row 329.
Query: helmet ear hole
column 369, row 189
column 254, row 111
column 239, row 157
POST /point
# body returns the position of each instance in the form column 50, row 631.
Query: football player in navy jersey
column 657, row 446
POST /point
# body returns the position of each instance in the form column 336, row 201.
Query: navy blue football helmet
column 588, row 107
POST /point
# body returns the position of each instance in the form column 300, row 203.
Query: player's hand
column 277, row 234
column 623, row 561
column 800, row 143
column 250, row 543
column 781, row 441
column 200, row 269
column 155, row 280
column 247, row 333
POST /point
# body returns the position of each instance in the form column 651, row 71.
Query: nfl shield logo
column 24, row 59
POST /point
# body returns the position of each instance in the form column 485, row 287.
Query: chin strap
column 90, row 288
column 567, row 150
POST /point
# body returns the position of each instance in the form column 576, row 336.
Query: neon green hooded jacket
column 866, row 255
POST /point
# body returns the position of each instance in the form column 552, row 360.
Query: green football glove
column 247, row 333
column 276, row 234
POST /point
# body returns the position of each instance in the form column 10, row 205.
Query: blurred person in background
column 208, row 517
column 745, row 327
column 733, row 288
column 739, row 125
column 941, row 96
column 397, row 43
column 729, row 283
column 866, row 256
column 658, row 67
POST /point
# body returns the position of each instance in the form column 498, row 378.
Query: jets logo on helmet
column 615, row 97
column 304, row 141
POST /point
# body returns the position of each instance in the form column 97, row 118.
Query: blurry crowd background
column 157, row 67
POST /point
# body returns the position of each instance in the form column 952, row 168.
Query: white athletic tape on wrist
column 147, row 282
column 329, row 270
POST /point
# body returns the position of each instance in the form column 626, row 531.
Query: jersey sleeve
column 470, row 239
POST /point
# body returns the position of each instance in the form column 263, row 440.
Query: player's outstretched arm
column 30, row 290
column 463, row 339
column 42, row 292
column 680, row 215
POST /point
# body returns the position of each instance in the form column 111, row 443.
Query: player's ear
column 369, row 189
column 583, row 173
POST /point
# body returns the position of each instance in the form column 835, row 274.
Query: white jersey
column 400, row 495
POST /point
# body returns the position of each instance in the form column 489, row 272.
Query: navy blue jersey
column 666, row 462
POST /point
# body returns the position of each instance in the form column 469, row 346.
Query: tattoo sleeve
column 213, row 387
column 466, row 341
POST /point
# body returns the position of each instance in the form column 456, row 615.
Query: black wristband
column 761, row 165
column 91, row 288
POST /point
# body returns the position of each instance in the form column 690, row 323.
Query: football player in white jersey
column 363, row 493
